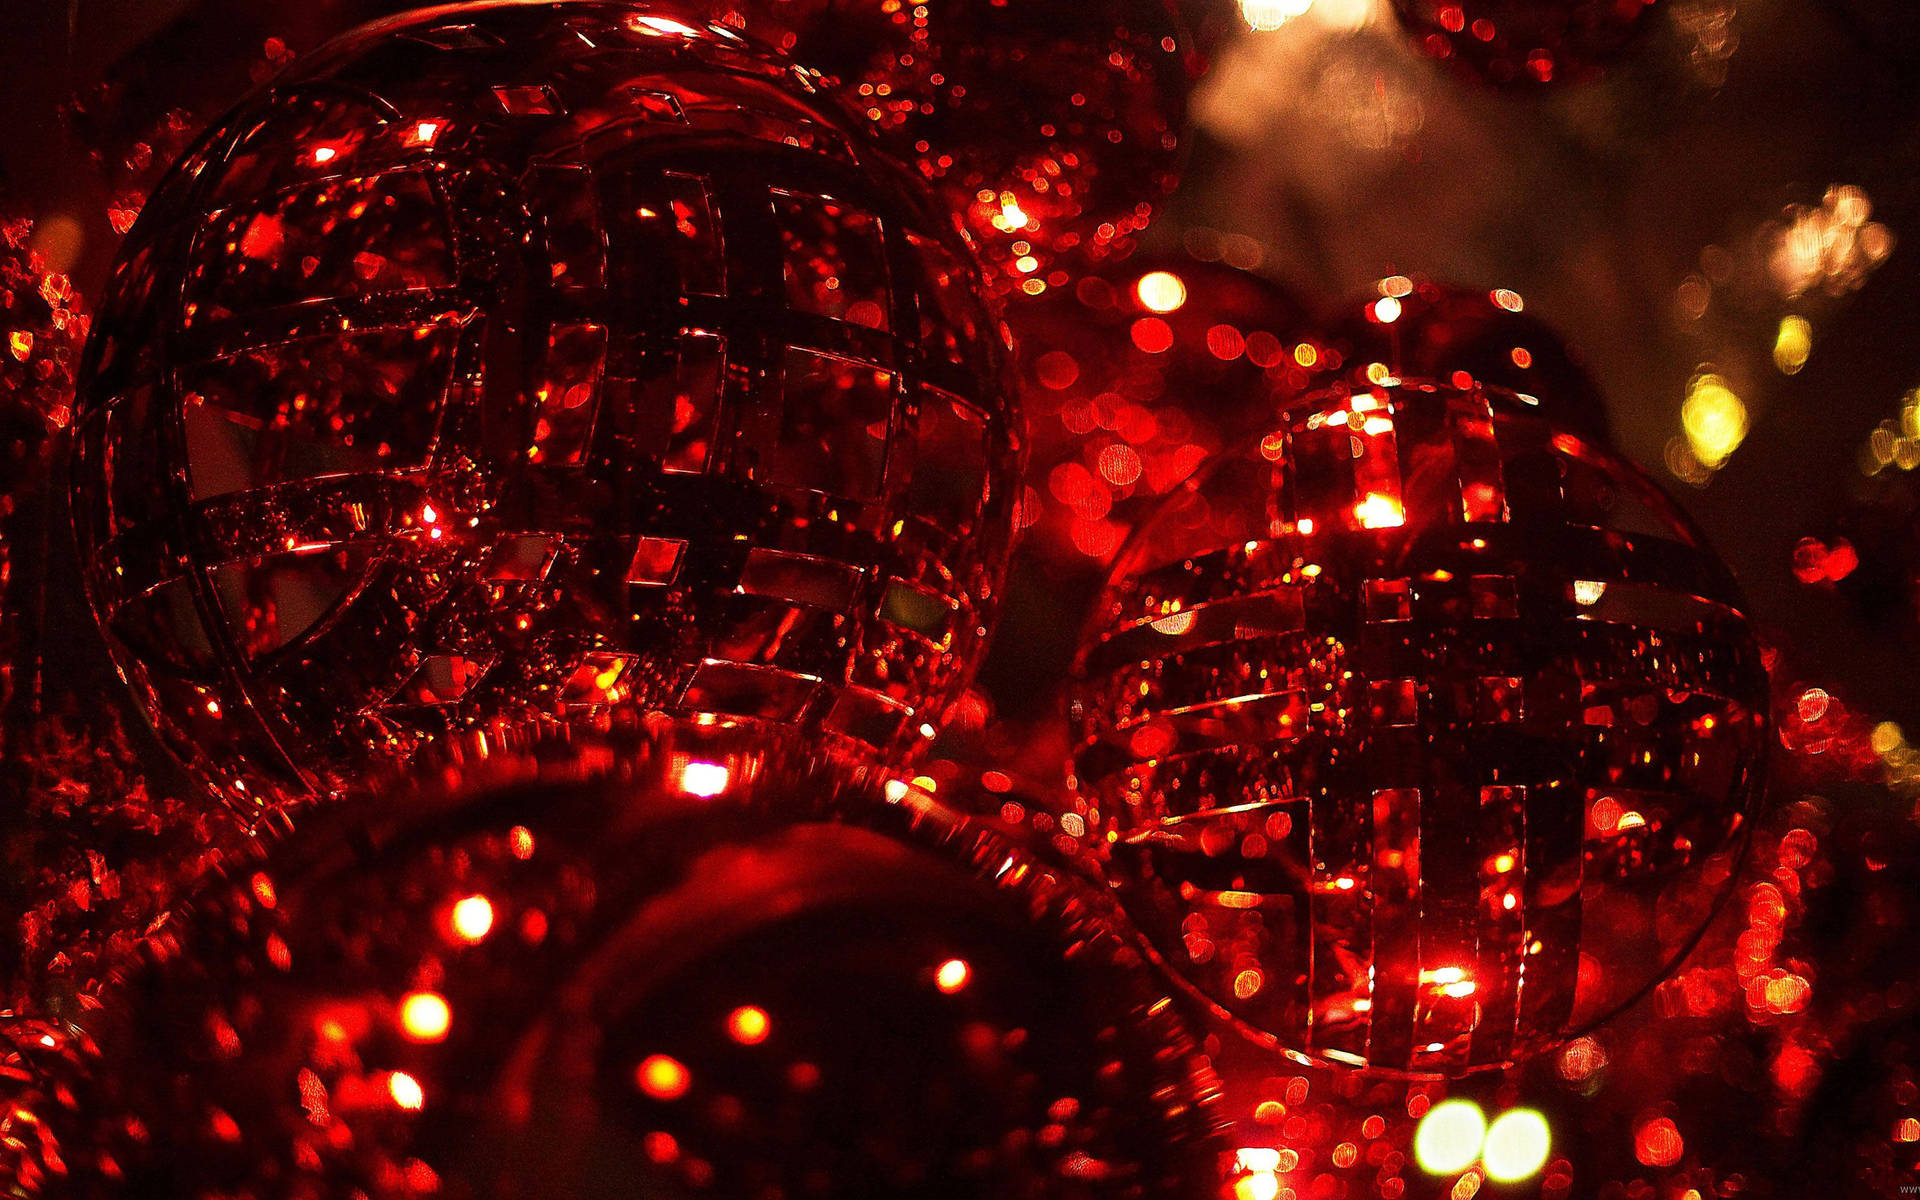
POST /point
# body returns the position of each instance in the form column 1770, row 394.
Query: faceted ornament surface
column 1418, row 732
column 536, row 359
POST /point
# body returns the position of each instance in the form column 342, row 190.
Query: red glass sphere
column 1053, row 129
column 1415, row 328
column 531, row 359
column 1523, row 42
column 673, row 967
column 1417, row 732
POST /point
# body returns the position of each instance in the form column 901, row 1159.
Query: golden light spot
column 1587, row 592
column 520, row 841
column 1713, row 418
column 425, row 1016
column 749, row 1025
column 663, row 1077
column 952, row 975
column 472, row 918
column 324, row 154
column 1161, row 291
column 1508, row 299
column 1792, row 344
column 1449, row 1137
column 1516, row 1146
column 1386, row 310
column 406, row 1091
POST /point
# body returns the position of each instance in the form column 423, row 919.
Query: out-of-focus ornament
column 1414, row 328
column 1418, row 732
column 1522, row 43
column 1131, row 378
column 676, row 965
column 532, row 359
column 1053, row 129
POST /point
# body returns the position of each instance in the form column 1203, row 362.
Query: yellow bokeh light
column 1516, row 1145
column 472, row 918
column 425, row 1017
column 1161, row 291
column 1450, row 1137
column 663, row 1077
column 1713, row 418
column 749, row 1025
column 1792, row 344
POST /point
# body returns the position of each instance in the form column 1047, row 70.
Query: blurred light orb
column 1161, row 291
column 1517, row 1145
column 1418, row 732
column 534, row 360
column 1449, row 1137
column 1524, row 43
column 1265, row 15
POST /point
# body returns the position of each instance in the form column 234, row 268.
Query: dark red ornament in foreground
column 1419, row 733
column 674, row 966
column 1053, row 129
column 531, row 360
column 1523, row 43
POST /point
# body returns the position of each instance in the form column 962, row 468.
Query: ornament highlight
column 1417, row 732
column 529, row 360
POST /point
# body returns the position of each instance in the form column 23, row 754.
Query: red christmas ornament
column 1523, row 43
column 667, row 967
column 1053, row 130
column 1414, row 328
column 535, row 359
column 1418, row 733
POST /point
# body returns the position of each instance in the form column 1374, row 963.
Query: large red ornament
column 1415, row 328
column 1419, row 733
column 1054, row 129
column 531, row 359
column 674, row 967
column 1523, row 43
